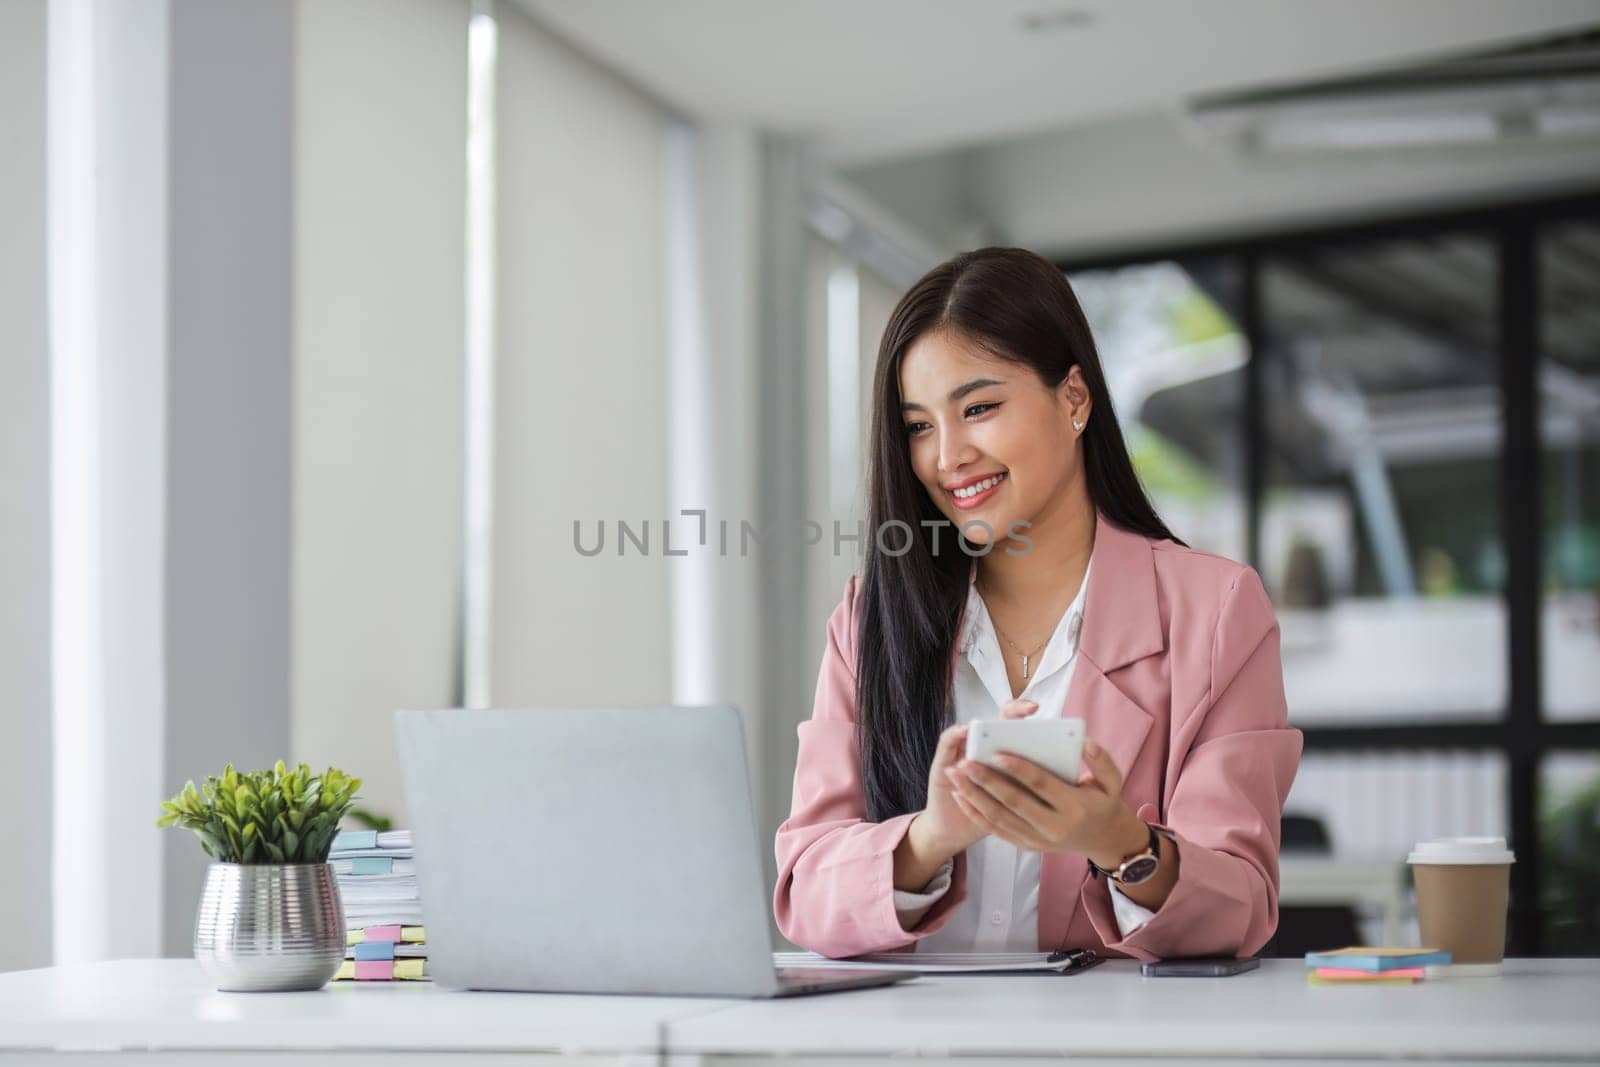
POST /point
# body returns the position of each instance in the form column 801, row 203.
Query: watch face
column 1139, row 870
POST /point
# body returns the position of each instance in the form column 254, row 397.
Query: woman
column 1028, row 575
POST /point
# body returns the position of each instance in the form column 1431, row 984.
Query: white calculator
column 1054, row 744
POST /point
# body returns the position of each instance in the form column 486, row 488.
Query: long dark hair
column 1021, row 308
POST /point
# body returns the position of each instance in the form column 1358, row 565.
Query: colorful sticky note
column 1367, row 976
column 355, row 839
column 1377, row 959
column 414, row 935
column 1313, row 978
column 410, row 970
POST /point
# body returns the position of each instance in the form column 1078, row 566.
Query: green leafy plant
column 1570, row 850
column 276, row 816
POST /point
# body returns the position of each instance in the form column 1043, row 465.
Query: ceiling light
column 1545, row 92
column 1373, row 131
column 1055, row 20
column 1568, row 122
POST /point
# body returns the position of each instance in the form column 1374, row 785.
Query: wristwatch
column 1140, row 867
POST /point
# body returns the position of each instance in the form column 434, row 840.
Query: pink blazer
column 1178, row 677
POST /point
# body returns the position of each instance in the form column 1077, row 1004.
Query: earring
column 1077, row 426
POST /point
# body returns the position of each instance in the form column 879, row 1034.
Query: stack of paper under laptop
column 382, row 906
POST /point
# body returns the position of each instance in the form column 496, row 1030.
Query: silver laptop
column 593, row 850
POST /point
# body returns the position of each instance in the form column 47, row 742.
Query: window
column 1414, row 431
column 1569, row 397
column 1174, row 356
column 1380, row 535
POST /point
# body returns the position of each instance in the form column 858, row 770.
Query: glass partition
column 1380, row 527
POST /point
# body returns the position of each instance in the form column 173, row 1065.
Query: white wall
column 830, row 482
column 380, row 130
column 788, row 418
column 934, row 193
column 230, row 232
column 581, row 422
column 25, row 488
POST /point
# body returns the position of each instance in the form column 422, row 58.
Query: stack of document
column 1389, row 966
column 377, row 877
column 385, row 953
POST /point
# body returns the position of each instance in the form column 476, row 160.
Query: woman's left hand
column 1037, row 811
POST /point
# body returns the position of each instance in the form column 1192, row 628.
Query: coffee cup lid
column 1462, row 850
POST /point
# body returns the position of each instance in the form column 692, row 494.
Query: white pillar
column 108, row 304
column 713, row 263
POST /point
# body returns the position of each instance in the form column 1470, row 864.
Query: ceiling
column 869, row 80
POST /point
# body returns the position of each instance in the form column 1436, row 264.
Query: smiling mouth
column 970, row 495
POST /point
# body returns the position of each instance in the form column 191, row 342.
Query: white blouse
column 1001, row 911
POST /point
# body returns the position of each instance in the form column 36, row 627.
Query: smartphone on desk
column 1220, row 967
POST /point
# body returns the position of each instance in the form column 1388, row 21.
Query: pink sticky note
column 374, row 970
column 1345, row 972
column 381, row 933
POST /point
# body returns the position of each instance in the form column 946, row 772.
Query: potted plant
column 1571, row 855
column 270, row 916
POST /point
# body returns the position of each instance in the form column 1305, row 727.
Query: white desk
column 1540, row 1009
column 163, row 1011
column 170, row 1006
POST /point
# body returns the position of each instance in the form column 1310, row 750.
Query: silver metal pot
column 269, row 926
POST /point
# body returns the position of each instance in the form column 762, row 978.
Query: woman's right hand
column 942, row 830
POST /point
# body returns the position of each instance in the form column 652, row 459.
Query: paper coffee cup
column 1463, row 885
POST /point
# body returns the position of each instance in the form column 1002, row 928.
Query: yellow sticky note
column 410, row 969
column 1313, row 978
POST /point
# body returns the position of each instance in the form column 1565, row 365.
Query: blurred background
column 366, row 354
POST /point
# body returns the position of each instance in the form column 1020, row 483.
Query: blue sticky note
column 374, row 950
column 371, row 865
column 1377, row 960
column 355, row 839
